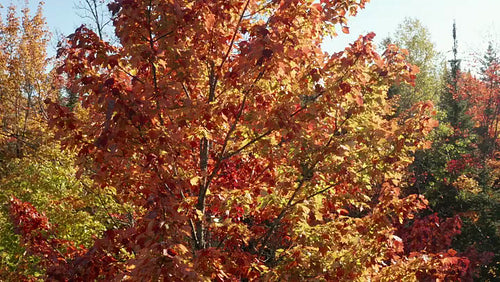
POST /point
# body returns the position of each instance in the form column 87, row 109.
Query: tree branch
column 234, row 35
column 263, row 241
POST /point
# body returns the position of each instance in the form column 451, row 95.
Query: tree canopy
column 217, row 141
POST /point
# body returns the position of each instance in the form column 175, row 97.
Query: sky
column 477, row 22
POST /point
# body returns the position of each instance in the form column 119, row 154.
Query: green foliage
column 456, row 183
column 458, row 175
column 454, row 110
column 48, row 181
column 489, row 59
column 32, row 165
column 415, row 37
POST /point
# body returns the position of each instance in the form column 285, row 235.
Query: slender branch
column 204, row 147
column 203, row 166
column 263, row 240
column 321, row 191
column 19, row 138
column 317, row 96
column 153, row 67
column 90, row 10
column 290, row 202
column 151, row 45
column 212, row 81
column 191, row 224
column 234, row 35
column 200, row 206
column 131, row 75
column 259, row 10
column 224, row 146
column 315, row 194
column 233, row 126
column 186, row 91
column 248, row 144
column 101, row 201
column 162, row 36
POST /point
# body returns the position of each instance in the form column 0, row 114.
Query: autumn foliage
column 483, row 97
column 246, row 150
column 33, row 169
column 23, row 82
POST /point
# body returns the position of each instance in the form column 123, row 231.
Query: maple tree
column 247, row 151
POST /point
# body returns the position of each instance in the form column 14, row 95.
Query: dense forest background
column 200, row 141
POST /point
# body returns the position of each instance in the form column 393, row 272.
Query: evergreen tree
column 489, row 59
column 454, row 109
column 454, row 175
column 488, row 129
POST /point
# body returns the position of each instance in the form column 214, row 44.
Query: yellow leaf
column 195, row 181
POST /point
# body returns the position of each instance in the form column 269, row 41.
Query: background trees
column 33, row 167
column 24, row 82
column 414, row 37
column 458, row 173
